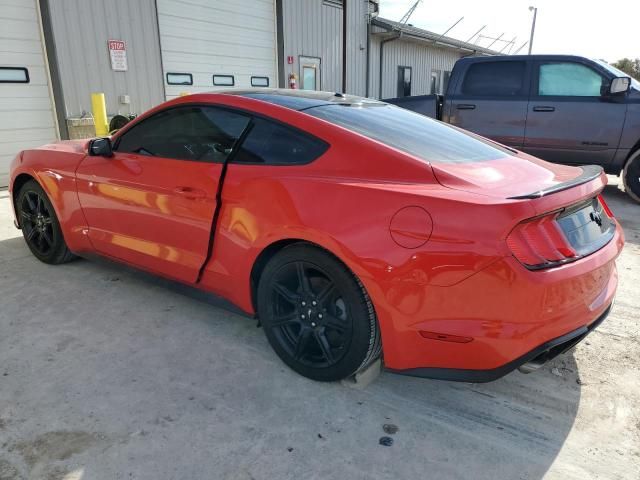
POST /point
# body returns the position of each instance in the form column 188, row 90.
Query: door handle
column 466, row 106
column 544, row 109
column 191, row 193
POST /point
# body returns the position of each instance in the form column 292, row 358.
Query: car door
column 492, row 99
column 571, row 119
column 153, row 202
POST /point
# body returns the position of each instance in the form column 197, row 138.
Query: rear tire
column 316, row 314
column 631, row 176
column 40, row 225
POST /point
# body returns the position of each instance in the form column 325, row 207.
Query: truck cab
column 561, row 108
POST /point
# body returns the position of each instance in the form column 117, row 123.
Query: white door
column 26, row 108
column 214, row 44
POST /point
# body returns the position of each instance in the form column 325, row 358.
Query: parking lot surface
column 107, row 374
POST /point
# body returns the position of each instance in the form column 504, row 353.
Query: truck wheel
column 631, row 176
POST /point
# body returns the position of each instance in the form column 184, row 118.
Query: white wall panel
column 224, row 37
column 26, row 110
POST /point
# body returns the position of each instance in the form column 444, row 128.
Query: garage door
column 210, row 44
column 26, row 112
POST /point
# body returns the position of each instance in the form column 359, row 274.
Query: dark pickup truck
column 561, row 108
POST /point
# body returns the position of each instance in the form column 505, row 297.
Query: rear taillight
column 540, row 243
column 605, row 207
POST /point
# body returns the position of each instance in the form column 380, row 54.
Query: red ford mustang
column 352, row 228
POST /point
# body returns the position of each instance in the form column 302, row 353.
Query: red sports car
column 351, row 228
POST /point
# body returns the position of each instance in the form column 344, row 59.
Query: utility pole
column 533, row 26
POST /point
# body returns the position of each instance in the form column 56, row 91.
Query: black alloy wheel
column 40, row 226
column 316, row 315
column 36, row 222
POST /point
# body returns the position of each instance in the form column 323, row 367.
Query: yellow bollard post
column 99, row 108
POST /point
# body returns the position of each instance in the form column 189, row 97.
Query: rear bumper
column 536, row 358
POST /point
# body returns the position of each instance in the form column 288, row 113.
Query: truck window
column 569, row 79
column 490, row 79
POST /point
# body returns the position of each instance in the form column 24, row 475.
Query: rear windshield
column 410, row 132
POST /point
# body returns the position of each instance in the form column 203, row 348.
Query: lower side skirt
column 528, row 362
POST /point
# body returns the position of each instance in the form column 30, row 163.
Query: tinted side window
column 569, row 79
column 186, row 133
column 271, row 143
column 420, row 136
column 504, row 79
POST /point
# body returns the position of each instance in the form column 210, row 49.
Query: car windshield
column 619, row 73
column 420, row 136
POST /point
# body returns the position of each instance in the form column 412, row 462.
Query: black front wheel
column 631, row 176
column 316, row 314
column 40, row 226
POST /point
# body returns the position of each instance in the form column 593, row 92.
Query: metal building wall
column 357, row 11
column 27, row 116
column 312, row 28
column 81, row 29
column 421, row 56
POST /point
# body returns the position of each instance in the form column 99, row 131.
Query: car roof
column 300, row 99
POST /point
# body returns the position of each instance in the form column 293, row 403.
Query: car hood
column 518, row 175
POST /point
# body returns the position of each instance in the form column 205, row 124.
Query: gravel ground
column 105, row 374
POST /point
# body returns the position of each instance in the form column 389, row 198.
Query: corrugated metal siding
column 81, row 29
column 357, row 11
column 421, row 57
column 313, row 29
column 207, row 37
column 26, row 110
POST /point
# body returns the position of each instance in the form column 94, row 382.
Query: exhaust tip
column 531, row 366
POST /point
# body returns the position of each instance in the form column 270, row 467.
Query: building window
column 333, row 3
column 309, row 73
column 179, row 79
column 435, row 81
column 14, row 75
column 259, row 81
column 404, row 81
column 224, row 80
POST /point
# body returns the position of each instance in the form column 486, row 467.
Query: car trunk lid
column 512, row 177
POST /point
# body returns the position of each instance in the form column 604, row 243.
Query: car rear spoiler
column 589, row 172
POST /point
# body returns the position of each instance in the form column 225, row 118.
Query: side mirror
column 620, row 85
column 100, row 147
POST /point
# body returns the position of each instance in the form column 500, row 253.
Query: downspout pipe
column 368, row 64
column 345, row 32
column 386, row 40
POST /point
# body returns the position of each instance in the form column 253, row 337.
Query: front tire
column 40, row 225
column 631, row 176
column 316, row 314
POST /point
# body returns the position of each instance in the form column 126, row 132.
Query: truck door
column 492, row 99
column 571, row 119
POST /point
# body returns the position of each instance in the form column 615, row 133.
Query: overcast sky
column 600, row 29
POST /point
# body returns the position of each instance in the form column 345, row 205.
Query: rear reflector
column 444, row 337
column 540, row 243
